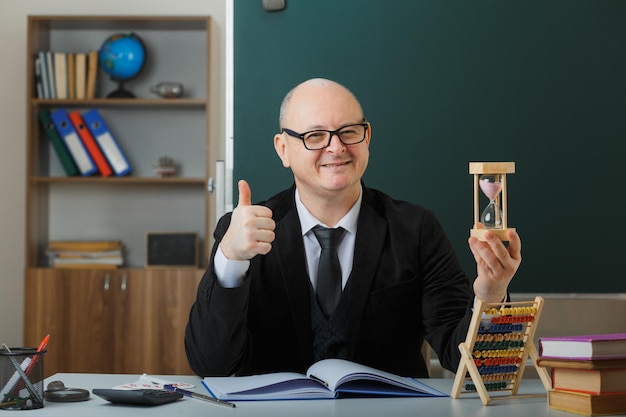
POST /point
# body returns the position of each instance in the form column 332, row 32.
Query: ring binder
column 73, row 143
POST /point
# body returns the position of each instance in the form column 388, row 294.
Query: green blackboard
column 443, row 83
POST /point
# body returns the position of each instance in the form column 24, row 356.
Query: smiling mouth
column 335, row 164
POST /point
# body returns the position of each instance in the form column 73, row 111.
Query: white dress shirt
column 231, row 274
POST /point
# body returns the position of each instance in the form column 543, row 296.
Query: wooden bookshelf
column 120, row 208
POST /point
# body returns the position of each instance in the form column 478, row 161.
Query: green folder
column 64, row 156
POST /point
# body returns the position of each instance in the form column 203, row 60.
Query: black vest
column 329, row 334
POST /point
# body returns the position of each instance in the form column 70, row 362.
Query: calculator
column 137, row 396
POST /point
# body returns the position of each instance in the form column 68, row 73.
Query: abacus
column 494, row 354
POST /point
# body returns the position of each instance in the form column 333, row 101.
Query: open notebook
column 329, row 378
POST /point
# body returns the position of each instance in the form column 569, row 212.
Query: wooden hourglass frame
column 491, row 168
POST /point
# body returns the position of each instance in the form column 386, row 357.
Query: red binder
column 90, row 144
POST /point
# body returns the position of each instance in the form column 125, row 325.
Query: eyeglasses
column 314, row 140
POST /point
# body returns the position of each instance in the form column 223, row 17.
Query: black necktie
column 329, row 270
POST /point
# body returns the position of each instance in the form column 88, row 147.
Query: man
column 258, row 307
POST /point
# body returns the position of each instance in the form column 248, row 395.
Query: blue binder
column 105, row 139
column 72, row 141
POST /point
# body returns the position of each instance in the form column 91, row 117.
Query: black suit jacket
column 406, row 284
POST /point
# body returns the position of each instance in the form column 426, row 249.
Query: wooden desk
column 467, row 405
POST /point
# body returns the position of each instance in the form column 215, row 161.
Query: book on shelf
column 90, row 143
column 43, row 62
column 68, row 254
column 51, row 74
column 57, row 143
column 590, row 381
column 81, row 75
column 86, row 265
column 85, row 254
column 92, row 74
column 326, row 379
column 103, row 262
column 71, row 76
column 587, row 404
column 107, row 142
column 105, row 254
column 84, row 245
column 581, row 363
column 595, row 346
column 38, row 78
column 60, row 74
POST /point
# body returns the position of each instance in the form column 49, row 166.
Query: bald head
column 309, row 86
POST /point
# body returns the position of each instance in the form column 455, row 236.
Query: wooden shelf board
column 118, row 180
column 120, row 102
column 94, row 22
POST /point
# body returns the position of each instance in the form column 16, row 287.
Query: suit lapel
column 289, row 251
column 370, row 240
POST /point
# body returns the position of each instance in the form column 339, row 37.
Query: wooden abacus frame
column 498, row 344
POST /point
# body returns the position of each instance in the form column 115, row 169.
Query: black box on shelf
column 171, row 249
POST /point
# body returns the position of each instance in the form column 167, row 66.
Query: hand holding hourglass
column 496, row 262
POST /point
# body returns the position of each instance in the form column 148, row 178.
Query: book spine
column 38, row 81
column 44, row 74
column 81, row 75
column 79, row 245
column 50, row 72
column 60, row 73
column 92, row 73
column 71, row 76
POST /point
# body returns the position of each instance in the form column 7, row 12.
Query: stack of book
column 588, row 373
column 66, row 75
column 103, row 254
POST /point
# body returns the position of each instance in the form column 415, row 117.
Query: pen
column 198, row 396
column 31, row 365
column 43, row 343
column 40, row 349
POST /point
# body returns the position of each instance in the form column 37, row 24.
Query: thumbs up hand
column 251, row 230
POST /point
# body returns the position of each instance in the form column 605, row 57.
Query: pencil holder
column 21, row 379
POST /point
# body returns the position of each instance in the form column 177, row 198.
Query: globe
column 122, row 56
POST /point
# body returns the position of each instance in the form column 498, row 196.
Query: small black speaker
column 165, row 249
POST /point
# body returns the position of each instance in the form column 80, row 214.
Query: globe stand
column 121, row 92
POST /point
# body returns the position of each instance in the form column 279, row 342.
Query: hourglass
column 490, row 179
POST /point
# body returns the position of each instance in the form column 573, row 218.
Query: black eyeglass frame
column 330, row 138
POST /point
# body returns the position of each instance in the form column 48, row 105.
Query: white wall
column 13, row 16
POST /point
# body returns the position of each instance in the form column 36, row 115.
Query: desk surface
column 467, row 405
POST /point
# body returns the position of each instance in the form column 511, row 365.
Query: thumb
column 245, row 195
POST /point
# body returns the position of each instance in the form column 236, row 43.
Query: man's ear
column 281, row 149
